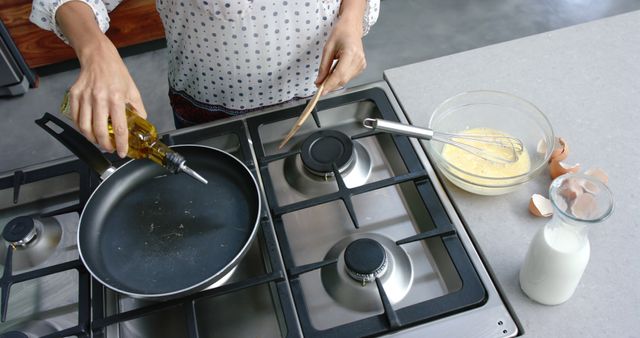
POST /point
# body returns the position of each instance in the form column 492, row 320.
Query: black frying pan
column 150, row 234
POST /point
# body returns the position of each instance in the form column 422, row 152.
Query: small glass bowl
column 499, row 111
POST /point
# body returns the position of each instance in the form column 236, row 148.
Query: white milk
column 554, row 264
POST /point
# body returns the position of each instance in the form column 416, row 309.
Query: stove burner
column 20, row 231
column 365, row 260
column 324, row 148
column 311, row 173
column 367, row 256
column 34, row 239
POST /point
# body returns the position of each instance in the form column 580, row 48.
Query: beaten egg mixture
column 473, row 164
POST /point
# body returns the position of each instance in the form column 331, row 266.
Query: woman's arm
column 104, row 84
column 345, row 44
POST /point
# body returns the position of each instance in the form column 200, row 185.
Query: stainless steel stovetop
column 367, row 245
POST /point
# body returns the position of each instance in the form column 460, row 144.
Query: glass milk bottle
column 559, row 252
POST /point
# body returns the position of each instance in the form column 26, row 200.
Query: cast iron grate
column 8, row 279
column 472, row 292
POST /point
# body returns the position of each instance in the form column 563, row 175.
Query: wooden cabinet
column 132, row 22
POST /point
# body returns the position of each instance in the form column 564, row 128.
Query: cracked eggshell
column 540, row 206
column 558, row 168
column 560, row 150
column 599, row 174
column 584, row 206
column 570, row 189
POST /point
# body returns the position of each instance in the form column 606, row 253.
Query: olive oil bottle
column 144, row 142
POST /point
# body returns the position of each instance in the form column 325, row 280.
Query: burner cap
column 325, row 147
column 13, row 334
column 19, row 230
column 365, row 259
column 395, row 272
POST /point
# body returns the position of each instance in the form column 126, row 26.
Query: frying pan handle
column 77, row 143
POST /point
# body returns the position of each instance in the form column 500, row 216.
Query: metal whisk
column 512, row 145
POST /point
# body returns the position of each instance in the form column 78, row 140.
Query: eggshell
column 584, row 206
column 590, row 186
column 599, row 174
column 540, row 206
column 558, row 168
column 560, row 150
column 570, row 189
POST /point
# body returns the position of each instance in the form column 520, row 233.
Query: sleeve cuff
column 371, row 13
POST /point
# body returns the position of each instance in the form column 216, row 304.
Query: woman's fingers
column 119, row 125
column 345, row 45
column 328, row 54
column 99, row 96
column 74, row 104
column 137, row 103
column 96, row 109
column 100, row 122
column 350, row 64
column 85, row 118
column 340, row 75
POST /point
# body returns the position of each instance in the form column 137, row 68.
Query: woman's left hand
column 345, row 46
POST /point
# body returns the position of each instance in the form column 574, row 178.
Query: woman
column 226, row 57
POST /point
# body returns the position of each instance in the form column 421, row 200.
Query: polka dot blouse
column 234, row 55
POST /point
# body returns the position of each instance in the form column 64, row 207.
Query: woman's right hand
column 104, row 85
column 100, row 92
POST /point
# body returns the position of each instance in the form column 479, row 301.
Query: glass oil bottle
column 144, row 142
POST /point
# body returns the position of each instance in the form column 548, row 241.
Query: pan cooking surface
column 168, row 233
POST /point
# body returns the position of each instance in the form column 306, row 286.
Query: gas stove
column 358, row 239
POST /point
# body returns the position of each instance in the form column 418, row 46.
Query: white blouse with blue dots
column 234, row 55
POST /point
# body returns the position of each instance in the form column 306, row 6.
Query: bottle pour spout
column 175, row 163
column 192, row 173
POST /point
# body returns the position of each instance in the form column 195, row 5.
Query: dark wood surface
column 132, row 22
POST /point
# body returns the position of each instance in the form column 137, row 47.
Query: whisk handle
column 398, row 128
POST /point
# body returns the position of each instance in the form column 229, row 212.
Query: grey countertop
column 586, row 79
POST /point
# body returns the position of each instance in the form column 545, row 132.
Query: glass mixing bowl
column 499, row 111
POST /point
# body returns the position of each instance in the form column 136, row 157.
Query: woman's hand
column 100, row 92
column 345, row 46
column 104, row 84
